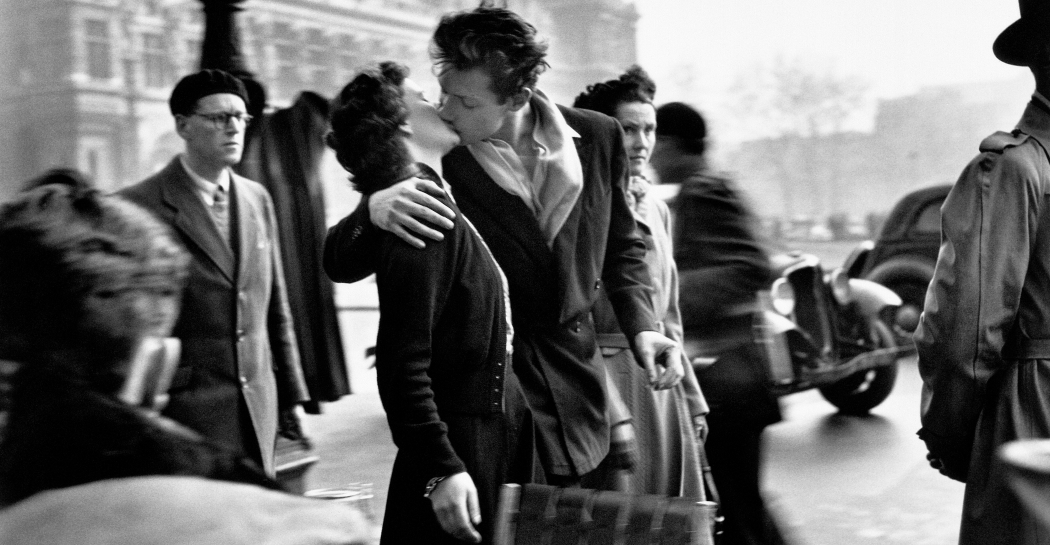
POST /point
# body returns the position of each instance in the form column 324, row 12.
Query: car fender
column 872, row 297
column 907, row 268
column 776, row 323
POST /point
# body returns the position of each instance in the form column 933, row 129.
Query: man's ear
column 520, row 99
column 180, row 124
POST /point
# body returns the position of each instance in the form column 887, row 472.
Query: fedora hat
column 1018, row 44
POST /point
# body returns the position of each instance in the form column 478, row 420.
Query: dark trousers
column 734, row 450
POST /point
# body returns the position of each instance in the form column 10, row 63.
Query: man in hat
column 984, row 337
column 721, row 267
column 240, row 364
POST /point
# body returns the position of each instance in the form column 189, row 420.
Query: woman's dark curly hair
column 634, row 85
column 365, row 122
column 496, row 39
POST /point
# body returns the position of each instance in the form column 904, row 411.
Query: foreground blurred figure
column 87, row 282
column 669, row 423
column 721, row 266
column 455, row 408
column 984, row 337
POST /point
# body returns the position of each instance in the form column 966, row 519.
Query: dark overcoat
column 284, row 152
column 238, row 347
column 721, row 267
column 984, row 335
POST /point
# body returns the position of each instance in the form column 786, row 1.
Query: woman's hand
column 455, row 502
column 700, row 425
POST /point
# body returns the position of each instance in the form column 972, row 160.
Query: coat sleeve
column 988, row 225
column 720, row 260
column 694, row 396
column 413, row 288
column 291, row 384
column 624, row 272
column 349, row 247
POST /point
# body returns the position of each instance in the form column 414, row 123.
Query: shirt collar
column 204, row 186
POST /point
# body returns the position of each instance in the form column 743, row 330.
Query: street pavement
column 832, row 479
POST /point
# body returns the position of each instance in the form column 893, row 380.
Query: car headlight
column 840, row 288
column 783, row 296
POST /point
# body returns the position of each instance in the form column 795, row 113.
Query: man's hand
column 950, row 457
column 403, row 207
column 661, row 357
column 455, row 502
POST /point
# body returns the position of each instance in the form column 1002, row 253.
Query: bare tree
column 799, row 110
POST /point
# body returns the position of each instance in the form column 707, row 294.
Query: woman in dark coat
column 455, row 409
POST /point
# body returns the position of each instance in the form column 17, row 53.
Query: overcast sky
column 897, row 46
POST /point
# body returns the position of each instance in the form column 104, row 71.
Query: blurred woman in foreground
column 89, row 284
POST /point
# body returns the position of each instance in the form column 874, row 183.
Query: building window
column 154, row 61
column 350, row 59
column 319, row 61
column 193, row 56
column 99, row 54
column 289, row 59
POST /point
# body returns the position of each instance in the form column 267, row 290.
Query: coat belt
column 1027, row 349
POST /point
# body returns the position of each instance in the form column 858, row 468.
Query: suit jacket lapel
column 508, row 211
column 565, row 255
column 193, row 219
column 243, row 216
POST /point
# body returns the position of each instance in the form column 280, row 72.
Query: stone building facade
column 86, row 82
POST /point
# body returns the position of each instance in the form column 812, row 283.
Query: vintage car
column 903, row 256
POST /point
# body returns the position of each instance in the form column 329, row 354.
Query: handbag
column 534, row 514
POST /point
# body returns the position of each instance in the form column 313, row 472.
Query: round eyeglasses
column 220, row 120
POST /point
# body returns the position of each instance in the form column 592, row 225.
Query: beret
column 194, row 87
column 680, row 120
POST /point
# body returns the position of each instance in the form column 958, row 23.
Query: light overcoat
column 238, row 346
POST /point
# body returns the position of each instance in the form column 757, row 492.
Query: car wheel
column 862, row 391
column 906, row 319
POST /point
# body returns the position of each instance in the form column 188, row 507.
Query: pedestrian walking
column 722, row 266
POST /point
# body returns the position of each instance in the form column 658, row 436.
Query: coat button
column 598, row 284
column 577, row 328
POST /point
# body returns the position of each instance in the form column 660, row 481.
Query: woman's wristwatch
column 431, row 485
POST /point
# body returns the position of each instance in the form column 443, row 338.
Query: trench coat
column 240, row 364
column 984, row 336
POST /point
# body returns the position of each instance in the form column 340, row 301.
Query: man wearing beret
column 240, row 363
column 984, row 337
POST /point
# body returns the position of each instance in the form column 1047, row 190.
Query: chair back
column 534, row 514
